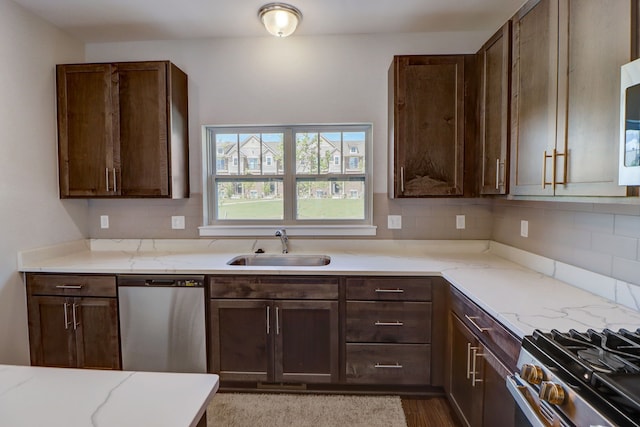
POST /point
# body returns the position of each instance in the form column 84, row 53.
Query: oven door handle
column 518, row 392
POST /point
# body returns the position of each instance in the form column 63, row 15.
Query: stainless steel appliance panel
column 162, row 325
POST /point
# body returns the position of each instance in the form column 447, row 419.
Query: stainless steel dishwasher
column 162, row 323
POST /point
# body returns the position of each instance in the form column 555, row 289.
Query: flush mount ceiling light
column 280, row 19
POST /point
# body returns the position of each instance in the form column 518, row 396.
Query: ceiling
column 133, row 20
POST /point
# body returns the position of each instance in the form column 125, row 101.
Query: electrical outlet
column 524, row 228
column 177, row 222
column 460, row 222
column 104, row 221
column 394, row 222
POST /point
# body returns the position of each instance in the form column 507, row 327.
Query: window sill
column 292, row 230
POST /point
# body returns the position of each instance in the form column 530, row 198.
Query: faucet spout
column 284, row 239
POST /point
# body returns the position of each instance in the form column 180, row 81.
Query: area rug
column 302, row 410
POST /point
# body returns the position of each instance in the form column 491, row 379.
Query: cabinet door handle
column 75, row 317
column 472, row 320
column 66, row 316
column 468, row 360
column 396, row 323
column 387, row 366
column 106, row 177
column 277, row 320
column 68, row 286
column 268, row 320
column 402, row 179
column 474, row 371
column 390, row 291
column 115, row 185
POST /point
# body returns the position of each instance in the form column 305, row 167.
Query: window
column 290, row 175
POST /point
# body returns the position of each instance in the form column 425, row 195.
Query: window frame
column 295, row 226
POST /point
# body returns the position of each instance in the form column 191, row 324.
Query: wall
column 31, row 214
column 266, row 80
column 603, row 238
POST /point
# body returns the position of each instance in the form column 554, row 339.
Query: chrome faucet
column 282, row 234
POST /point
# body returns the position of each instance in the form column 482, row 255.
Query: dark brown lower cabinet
column 465, row 392
column 476, row 384
column 72, row 331
column 283, row 341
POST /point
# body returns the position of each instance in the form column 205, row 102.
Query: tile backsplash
column 602, row 238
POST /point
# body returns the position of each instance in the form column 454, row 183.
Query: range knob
column 531, row 373
column 552, row 393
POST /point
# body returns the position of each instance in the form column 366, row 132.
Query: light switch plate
column 394, row 222
column 104, row 221
column 460, row 222
column 177, row 222
column 524, row 228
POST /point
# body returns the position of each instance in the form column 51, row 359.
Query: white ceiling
column 130, row 20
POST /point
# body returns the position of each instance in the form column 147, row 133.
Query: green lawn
column 307, row 209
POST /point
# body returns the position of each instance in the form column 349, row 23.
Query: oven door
column 528, row 411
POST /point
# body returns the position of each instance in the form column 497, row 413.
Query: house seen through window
column 288, row 175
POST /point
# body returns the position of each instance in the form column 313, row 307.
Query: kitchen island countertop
column 522, row 297
column 61, row 397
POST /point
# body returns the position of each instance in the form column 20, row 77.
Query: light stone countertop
column 524, row 295
column 60, row 397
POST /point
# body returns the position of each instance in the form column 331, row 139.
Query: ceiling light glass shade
column 280, row 19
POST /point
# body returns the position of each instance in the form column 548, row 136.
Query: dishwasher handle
column 160, row 281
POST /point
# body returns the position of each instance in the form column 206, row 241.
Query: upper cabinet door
column 495, row 77
column 426, row 114
column 85, row 130
column 534, row 94
column 594, row 41
column 143, row 132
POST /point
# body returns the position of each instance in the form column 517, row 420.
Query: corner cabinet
column 274, row 329
column 122, row 130
column 73, row 321
column 481, row 353
column 494, row 62
column 565, row 100
column 427, row 96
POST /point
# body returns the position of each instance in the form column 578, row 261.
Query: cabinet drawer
column 389, row 288
column 397, row 364
column 71, row 285
column 274, row 287
column 391, row 322
column 491, row 332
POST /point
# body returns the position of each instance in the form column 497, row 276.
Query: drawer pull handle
column 389, row 324
column 472, row 320
column 69, row 286
column 390, row 291
column 386, row 366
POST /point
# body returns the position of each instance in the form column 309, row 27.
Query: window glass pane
column 354, row 152
column 258, row 200
column 306, row 153
column 249, row 147
column 330, row 199
column 330, row 147
column 273, row 154
column 226, row 145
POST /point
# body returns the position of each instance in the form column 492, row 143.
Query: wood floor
column 428, row 412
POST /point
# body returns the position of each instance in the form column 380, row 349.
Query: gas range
column 576, row 378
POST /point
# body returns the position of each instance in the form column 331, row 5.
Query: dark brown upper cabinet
column 494, row 63
column 123, row 130
column 427, row 125
column 565, row 96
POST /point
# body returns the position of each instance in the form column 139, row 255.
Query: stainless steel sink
column 284, row 260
